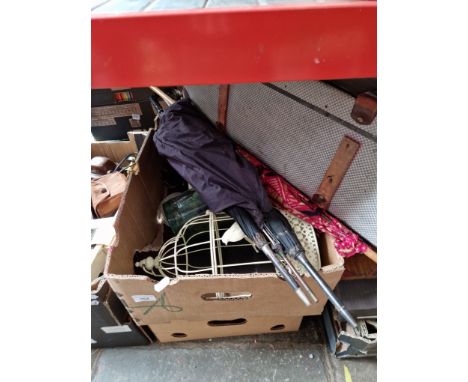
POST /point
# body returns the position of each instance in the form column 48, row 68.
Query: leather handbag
column 102, row 165
column 106, row 193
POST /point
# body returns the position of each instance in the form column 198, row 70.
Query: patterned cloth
column 306, row 235
column 287, row 197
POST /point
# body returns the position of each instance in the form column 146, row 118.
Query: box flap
column 114, row 150
column 135, row 223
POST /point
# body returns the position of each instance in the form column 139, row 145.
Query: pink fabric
column 287, row 197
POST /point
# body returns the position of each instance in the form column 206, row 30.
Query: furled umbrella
column 254, row 233
column 279, row 226
column 206, row 159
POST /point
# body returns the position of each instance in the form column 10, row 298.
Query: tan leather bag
column 102, row 165
column 106, row 193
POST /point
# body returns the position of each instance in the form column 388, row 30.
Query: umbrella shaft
column 324, row 286
column 289, row 279
column 300, row 279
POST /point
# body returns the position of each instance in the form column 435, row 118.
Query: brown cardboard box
column 111, row 325
column 115, row 150
column 347, row 342
column 185, row 298
column 192, row 330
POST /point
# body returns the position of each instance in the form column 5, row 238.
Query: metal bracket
column 336, row 171
column 365, row 108
column 222, row 107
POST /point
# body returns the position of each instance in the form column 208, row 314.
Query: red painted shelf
column 314, row 41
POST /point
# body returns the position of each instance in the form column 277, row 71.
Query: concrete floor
column 289, row 357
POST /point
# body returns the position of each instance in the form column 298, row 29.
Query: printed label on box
column 116, row 329
column 143, row 297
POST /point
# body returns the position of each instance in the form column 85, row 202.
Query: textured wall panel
column 327, row 98
column 296, row 127
column 206, row 97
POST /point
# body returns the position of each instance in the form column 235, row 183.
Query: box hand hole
column 226, row 296
column 277, row 327
column 179, row 335
column 238, row 321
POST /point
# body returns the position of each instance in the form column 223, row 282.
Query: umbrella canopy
column 282, row 230
column 206, row 159
column 287, row 197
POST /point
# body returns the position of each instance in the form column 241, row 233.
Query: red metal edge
column 219, row 46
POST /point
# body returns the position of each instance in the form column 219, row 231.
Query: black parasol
column 206, row 159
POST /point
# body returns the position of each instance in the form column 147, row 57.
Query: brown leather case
column 102, row 165
column 106, row 193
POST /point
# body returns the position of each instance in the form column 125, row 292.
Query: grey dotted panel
column 327, row 98
column 355, row 201
column 299, row 143
column 206, row 97
column 271, row 126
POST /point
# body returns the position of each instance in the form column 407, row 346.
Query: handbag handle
column 104, row 188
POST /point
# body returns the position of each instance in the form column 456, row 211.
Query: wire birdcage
column 201, row 237
column 198, row 249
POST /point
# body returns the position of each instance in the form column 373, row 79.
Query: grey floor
column 289, row 357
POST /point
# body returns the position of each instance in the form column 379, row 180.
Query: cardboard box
column 359, row 297
column 239, row 326
column 187, row 298
column 111, row 325
column 346, row 342
column 115, row 150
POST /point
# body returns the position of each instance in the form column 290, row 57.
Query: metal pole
column 338, row 304
column 289, row 279
column 298, row 277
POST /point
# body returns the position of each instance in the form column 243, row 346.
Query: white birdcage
column 199, row 238
column 198, row 248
